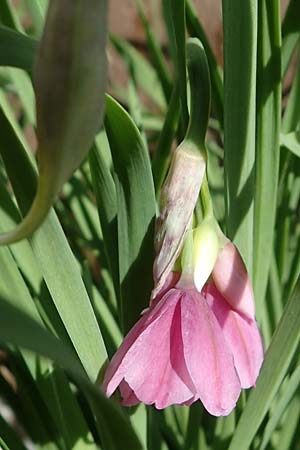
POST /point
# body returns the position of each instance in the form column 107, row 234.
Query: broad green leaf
column 16, row 49
column 291, row 141
column 18, row 329
column 55, row 259
column 268, row 103
column 136, row 211
column 277, row 360
column 240, row 19
column 74, row 78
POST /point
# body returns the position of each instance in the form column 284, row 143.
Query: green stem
column 200, row 93
column 187, row 263
column 205, row 199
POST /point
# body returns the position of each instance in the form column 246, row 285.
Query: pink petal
column 232, row 281
column 208, row 359
column 242, row 336
column 129, row 397
column 150, row 358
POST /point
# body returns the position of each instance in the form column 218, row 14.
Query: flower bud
column 178, row 199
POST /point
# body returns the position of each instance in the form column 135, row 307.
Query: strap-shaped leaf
column 55, row 259
column 268, row 103
column 70, row 77
column 136, row 211
column 240, row 19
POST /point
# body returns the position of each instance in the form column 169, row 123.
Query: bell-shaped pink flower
column 187, row 346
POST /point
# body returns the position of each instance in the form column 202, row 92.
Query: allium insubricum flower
column 198, row 340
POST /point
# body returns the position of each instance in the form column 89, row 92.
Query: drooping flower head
column 192, row 345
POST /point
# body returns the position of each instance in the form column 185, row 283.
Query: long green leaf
column 267, row 149
column 55, row 259
column 105, row 191
column 275, row 366
column 240, row 19
column 136, row 211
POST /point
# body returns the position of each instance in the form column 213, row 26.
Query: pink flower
column 190, row 345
